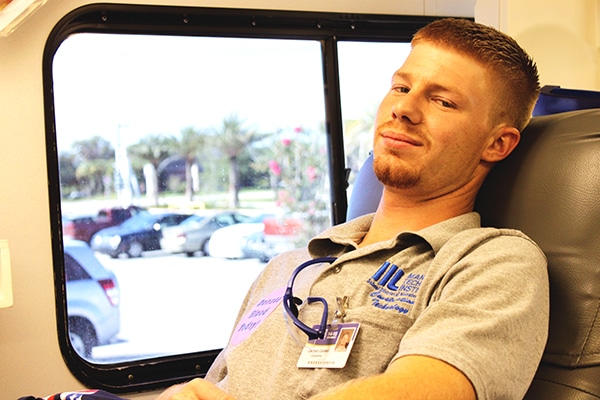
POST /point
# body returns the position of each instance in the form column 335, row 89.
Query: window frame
column 326, row 27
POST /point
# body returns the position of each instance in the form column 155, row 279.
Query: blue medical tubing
column 291, row 303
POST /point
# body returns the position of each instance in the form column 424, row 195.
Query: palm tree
column 95, row 163
column 189, row 146
column 146, row 155
column 232, row 139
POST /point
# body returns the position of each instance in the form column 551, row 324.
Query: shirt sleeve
column 487, row 313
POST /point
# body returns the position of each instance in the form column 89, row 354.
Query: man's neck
column 394, row 216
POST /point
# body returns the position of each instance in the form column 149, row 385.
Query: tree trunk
column 189, row 184
column 151, row 178
column 234, row 183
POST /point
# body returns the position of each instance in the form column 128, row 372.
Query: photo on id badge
column 333, row 350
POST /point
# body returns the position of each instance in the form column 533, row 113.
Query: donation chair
column 550, row 189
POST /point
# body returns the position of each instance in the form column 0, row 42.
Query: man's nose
column 408, row 107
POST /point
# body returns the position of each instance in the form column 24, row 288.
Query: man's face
column 434, row 123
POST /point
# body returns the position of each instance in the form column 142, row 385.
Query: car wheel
column 204, row 248
column 82, row 336
column 135, row 249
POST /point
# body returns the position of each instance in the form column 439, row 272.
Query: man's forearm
column 408, row 378
column 197, row 389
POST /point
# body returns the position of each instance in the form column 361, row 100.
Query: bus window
column 366, row 70
column 186, row 147
column 138, row 116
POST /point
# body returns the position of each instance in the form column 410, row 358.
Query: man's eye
column 401, row 89
column 445, row 103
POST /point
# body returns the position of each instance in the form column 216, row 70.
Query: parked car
column 255, row 246
column 194, row 232
column 278, row 235
column 84, row 227
column 227, row 242
column 93, row 296
column 139, row 233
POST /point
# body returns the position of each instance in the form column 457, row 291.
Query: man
column 447, row 309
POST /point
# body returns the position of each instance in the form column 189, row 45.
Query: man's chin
column 393, row 177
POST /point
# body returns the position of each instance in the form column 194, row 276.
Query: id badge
column 333, row 350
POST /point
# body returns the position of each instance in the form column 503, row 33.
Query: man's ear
column 502, row 143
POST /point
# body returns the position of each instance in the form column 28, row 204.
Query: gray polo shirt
column 476, row 298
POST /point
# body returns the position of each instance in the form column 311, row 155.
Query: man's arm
column 407, row 378
column 197, row 389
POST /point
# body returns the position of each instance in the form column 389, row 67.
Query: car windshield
column 140, row 221
column 192, row 220
column 259, row 218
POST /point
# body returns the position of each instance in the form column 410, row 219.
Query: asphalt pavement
column 173, row 304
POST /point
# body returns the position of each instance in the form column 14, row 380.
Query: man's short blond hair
column 515, row 75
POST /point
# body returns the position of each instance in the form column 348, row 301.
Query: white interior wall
column 563, row 37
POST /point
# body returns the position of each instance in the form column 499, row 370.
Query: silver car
column 193, row 234
column 93, row 297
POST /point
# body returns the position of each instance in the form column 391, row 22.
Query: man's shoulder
column 488, row 233
column 281, row 266
column 495, row 243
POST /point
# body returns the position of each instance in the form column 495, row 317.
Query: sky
column 122, row 87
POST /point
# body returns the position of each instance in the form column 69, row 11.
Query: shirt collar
column 342, row 238
column 437, row 235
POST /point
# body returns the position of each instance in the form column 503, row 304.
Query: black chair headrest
column 549, row 188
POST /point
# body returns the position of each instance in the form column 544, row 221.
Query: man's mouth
column 400, row 140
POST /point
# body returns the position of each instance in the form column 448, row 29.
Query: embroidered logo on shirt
column 392, row 292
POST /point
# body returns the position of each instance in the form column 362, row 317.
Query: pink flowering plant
column 299, row 178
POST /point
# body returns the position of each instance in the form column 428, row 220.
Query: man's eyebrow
column 401, row 74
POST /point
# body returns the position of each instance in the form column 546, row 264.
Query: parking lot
column 173, row 304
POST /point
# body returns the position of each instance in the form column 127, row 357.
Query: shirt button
column 337, row 270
